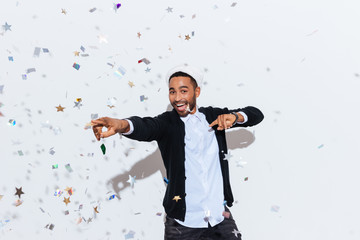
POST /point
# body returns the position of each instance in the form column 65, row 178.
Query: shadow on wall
column 237, row 138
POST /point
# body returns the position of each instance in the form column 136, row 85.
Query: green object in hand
column 103, row 148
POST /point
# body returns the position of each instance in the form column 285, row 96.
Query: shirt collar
column 196, row 114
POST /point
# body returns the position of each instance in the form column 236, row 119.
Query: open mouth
column 183, row 107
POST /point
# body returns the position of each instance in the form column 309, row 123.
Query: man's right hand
column 113, row 126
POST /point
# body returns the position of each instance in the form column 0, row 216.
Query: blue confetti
column 166, row 180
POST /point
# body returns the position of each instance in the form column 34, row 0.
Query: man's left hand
column 224, row 121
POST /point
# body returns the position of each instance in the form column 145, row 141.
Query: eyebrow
column 179, row 87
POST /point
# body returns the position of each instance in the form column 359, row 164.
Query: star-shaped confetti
column 19, row 191
column 63, row 11
column 138, row 34
column 227, row 156
column 187, row 37
column 131, row 84
column 169, row 9
column 147, row 70
column 6, row 27
column 236, row 232
column 76, row 53
column 95, row 209
column 60, row 108
column 177, row 198
column 131, row 180
column 66, row 200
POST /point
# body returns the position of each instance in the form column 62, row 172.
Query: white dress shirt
column 204, row 183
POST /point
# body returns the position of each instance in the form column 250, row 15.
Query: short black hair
column 182, row 74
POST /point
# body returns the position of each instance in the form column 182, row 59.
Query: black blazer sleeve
column 148, row 128
column 255, row 116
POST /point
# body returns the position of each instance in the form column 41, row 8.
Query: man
column 193, row 147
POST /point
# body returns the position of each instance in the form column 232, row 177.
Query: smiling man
column 193, row 147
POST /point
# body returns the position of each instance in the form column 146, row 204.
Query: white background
column 297, row 61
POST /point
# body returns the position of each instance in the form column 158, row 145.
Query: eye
column 183, row 91
column 171, row 92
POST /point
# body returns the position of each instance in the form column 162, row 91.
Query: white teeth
column 179, row 105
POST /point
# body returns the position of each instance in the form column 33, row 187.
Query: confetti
column 129, row 235
column 120, row 72
column 24, row 77
column 69, row 190
column 144, row 60
column 131, row 84
column 67, row 166
column 20, row 153
column 63, row 11
column 82, row 48
column 227, row 156
column 131, row 181
column 45, row 50
column 12, row 122
column 11, row 58
column 275, row 208
column 60, row 108
column 177, row 198
column 235, row 232
column 103, row 148
column 138, row 34
column 111, row 102
column 52, row 151
column 166, row 180
column 85, row 55
column 96, row 210
column 143, row 98
column 30, row 70
column 19, row 192
column 92, row 10
column 18, row 202
column 233, row 4
column 1, row 196
column 245, row 179
column 66, row 200
column 187, row 37
column 158, row 214
column 76, row 66
column 169, row 9
column 320, row 146
column 55, row 166
column 37, row 52
column 147, row 70
column 112, row 197
column 6, row 27
column 94, row 116
column 66, row 212
column 76, row 53
column 78, row 103
column 58, row 193
column 1, row 88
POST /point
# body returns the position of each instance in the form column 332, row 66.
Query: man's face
column 182, row 94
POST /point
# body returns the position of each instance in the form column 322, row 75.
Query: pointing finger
column 214, row 123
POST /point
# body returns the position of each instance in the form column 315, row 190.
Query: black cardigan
column 169, row 132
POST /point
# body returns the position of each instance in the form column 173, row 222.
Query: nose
column 177, row 97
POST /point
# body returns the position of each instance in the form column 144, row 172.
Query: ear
column 197, row 91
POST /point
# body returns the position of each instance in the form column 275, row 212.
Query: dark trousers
column 227, row 229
